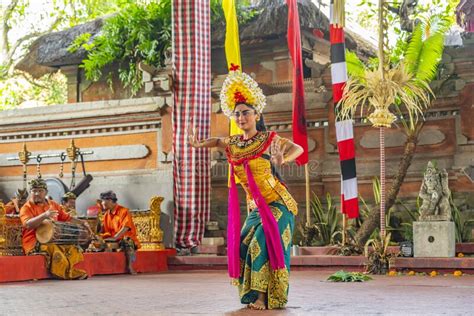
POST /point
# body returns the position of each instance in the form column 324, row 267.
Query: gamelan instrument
column 63, row 233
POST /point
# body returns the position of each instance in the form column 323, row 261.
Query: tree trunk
column 373, row 219
column 3, row 38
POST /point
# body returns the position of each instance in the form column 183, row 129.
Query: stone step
column 466, row 265
column 220, row 262
column 213, row 241
column 215, row 233
column 212, row 249
column 333, row 263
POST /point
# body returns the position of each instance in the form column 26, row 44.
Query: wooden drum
column 63, row 233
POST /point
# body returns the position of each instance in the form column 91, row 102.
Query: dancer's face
column 245, row 117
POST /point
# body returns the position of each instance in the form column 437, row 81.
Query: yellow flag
column 232, row 45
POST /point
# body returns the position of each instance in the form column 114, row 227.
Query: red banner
column 300, row 135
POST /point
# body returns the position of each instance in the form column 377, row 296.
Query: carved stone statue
column 435, row 194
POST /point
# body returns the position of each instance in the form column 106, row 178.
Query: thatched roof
column 50, row 50
column 273, row 23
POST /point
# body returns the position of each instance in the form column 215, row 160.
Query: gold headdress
column 239, row 87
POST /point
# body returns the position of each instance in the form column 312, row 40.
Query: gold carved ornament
column 148, row 226
column 10, row 234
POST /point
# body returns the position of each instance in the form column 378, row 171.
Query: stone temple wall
column 125, row 137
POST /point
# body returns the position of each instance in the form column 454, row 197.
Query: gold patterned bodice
column 239, row 151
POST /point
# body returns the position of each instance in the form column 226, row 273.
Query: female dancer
column 259, row 256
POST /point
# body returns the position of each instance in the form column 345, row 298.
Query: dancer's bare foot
column 259, row 304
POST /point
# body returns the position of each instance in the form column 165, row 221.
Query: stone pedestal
column 434, row 239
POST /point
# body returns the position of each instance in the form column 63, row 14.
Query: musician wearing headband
column 68, row 203
column 20, row 198
column 61, row 258
column 118, row 226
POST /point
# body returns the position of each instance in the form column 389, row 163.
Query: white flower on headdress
column 238, row 88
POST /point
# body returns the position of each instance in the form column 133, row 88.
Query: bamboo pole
column 344, row 229
column 308, row 214
column 382, row 129
column 382, row 183
column 381, row 39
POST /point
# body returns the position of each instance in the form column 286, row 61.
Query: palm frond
column 430, row 56
column 435, row 23
column 425, row 47
column 355, row 66
column 412, row 54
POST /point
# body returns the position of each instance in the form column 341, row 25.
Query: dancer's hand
column 278, row 151
column 192, row 138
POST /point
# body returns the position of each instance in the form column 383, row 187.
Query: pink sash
column 269, row 223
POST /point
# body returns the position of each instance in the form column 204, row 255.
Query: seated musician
column 68, row 203
column 60, row 258
column 14, row 206
column 118, row 226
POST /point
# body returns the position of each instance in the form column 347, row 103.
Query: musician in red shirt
column 32, row 215
column 118, row 226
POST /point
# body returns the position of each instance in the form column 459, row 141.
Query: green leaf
column 415, row 45
column 342, row 276
column 429, row 58
column 355, row 67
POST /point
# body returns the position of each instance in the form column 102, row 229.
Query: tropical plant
column 463, row 227
column 326, row 228
column 377, row 254
column 405, row 92
column 18, row 31
column 244, row 9
column 139, row 34
column 343, row 276
column 413, row 215
column 350, row 248
column 136, row 34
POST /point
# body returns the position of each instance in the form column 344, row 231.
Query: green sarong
column 256, row 274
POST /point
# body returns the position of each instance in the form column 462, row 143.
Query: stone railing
column 147, row 223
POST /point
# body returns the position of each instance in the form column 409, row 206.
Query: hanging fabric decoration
column 192, row 106
column 300, row 135
column 232, row 46
column 344, row 128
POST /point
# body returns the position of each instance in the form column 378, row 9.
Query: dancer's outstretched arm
column 205, row 143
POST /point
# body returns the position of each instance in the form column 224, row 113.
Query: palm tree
column 402, row 89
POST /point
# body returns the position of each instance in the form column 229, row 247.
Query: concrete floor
column 209, row 293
